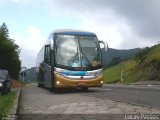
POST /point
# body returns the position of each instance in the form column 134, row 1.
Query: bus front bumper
column 62, row 82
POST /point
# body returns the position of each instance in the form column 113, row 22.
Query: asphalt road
column 96, row 103
column 143, row 95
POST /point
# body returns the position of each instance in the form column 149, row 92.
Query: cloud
column 142, row 16
column 30, row 45
column 16, row 0
column 123, row 24
column 23, row 1
column 118, row 21
column 109, row 34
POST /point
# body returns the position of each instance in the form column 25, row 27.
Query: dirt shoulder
column 17, row 84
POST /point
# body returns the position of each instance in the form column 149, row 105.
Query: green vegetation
column 154, row 54
column 9, row 53
column 112, row 74
column 130, row 71
column 145, row 65
column 6, row 102
column 114, row 56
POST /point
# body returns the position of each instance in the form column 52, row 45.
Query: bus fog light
column 58, row 82
column 101, row 82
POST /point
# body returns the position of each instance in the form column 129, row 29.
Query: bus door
column 47, row 67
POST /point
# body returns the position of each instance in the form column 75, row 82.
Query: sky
column 123, row 24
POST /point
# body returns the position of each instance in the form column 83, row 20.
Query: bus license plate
column 82, row 84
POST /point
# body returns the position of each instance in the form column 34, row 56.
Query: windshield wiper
column 90, row 65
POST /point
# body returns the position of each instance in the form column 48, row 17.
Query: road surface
column 143, row 95
column 72, row 104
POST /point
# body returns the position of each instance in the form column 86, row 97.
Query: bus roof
column 73, row 32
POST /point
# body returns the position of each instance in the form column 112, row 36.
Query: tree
column 9, row 53
column 115, row 61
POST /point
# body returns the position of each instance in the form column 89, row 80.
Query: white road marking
column 102, row 89
column 137, row 86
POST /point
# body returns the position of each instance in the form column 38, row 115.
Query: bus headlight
column 58, row 82
column 99, row 73
column 1, row 84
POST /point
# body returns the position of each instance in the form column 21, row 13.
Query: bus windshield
column 77, row 51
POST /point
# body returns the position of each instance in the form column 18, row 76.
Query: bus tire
column 51, row 89
column 57, row 90
column 84, row 88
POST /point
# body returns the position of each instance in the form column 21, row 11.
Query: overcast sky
column 123, row 24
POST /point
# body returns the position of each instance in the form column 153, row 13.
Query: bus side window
column 47, row 57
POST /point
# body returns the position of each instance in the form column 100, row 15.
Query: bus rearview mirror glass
column 103, row 45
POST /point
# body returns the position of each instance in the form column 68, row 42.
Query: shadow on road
column 72, row 91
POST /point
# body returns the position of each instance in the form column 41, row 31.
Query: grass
column 6, row 102
column 154, row 54
column 130, row 72
column 134, row 71
column 113, row 74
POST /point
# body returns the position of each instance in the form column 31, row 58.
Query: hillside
column 111, row 53
column 144, row 66
column 30, row 75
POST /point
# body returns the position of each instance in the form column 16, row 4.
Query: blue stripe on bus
column 78, row 33
column 74, row 73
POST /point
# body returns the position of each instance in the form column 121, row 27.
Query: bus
column 70, row 58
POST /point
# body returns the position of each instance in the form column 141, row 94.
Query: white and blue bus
column 70, row 58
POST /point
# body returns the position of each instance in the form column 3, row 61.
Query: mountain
column 30, row 75
column 145, row 65
column 110, row 54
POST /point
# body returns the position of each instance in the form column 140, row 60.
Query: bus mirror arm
column 105, row 44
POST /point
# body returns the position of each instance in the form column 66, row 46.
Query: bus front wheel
column 84, row 88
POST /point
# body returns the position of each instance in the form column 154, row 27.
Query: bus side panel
column 40, row 67
column 47, row 76
column 41, row 75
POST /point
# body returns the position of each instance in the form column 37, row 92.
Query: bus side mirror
column 103, row 45
column 51, row 45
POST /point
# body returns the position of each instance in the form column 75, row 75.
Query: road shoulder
column 14, row 109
